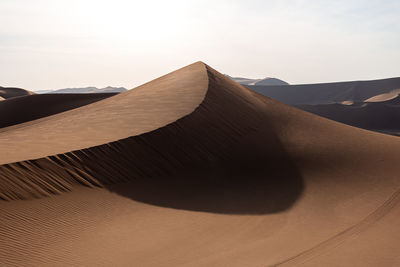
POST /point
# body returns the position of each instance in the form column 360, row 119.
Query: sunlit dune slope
column 193, row 169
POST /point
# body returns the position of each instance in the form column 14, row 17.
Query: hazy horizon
column 48, row 44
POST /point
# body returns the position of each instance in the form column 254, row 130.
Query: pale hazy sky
column 52, row 44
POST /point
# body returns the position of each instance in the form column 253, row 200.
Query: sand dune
column 376, row 116
column 384, row 97
column 84, row 90
column 193, row 169
column 9, row 92
column 22, row 109
column 328, row 93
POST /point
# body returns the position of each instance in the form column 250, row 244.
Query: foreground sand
column 193, row 169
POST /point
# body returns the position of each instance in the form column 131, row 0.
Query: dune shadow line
column 226, row 155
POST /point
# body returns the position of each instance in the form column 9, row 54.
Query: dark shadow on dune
column 224, row 157
column 375, row 116
column 258, row 177
column 227, row 158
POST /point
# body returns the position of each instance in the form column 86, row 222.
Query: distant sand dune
column 385, row 96
column 193, row 169
column 10, row 92
column 329, row 93
column 381, row 116
column 23, row 109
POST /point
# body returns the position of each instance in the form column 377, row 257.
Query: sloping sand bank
column 193, row 169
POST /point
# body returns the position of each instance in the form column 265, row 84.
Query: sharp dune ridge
column 193, row 169
column 148, row 107
column 147, row 155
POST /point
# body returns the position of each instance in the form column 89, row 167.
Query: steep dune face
column 138, row 111
column 328, row 93
column 22, row 109
column 10, row 92
column 200, row 171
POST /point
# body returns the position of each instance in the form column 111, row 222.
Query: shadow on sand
column 257, row 177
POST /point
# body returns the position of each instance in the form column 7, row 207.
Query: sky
column 53, row 44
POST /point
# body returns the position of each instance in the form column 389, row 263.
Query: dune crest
column 131, row 113
column 199, row 171
column 384, row 97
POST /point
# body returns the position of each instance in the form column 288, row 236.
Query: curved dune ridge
column 385, row 96
column 193, row 169
column 22, row 109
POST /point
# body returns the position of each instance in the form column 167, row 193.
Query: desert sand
column 193, row 169
column 10, row 92
column 382, row 116
column 385, row 96
column 330, row 93
column 22, row 109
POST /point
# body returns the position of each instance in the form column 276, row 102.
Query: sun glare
column 131, row 20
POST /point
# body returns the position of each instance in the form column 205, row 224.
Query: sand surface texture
column 193, row 169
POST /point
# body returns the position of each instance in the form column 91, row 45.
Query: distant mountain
column 10, row 92
column 266, row 81
column 84, row 90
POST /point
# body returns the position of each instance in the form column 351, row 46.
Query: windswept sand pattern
column 191, row 169
column 340, row 238
column 146, row 155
